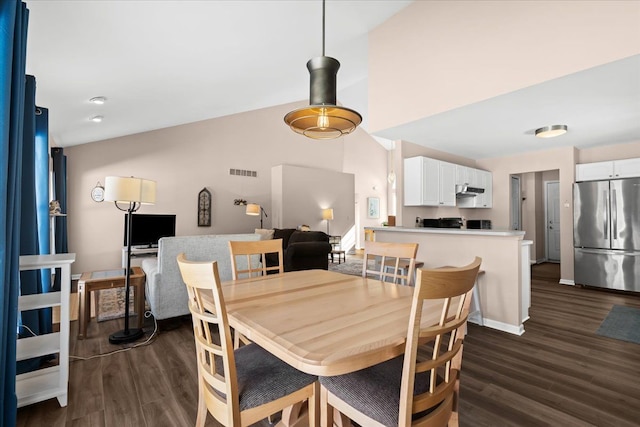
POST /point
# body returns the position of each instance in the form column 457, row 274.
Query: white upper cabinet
column 627, row 168
column 475, row 178
column 429, row 182
column 414, row 181
column 462, row 175
column 447, row 184
column 594, row 171
column 485, row 180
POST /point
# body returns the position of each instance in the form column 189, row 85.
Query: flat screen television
column 147, row 229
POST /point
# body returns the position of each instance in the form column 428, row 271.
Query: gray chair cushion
column 263, row 378
column 375, row 391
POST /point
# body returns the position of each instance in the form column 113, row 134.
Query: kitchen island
column 504, row 288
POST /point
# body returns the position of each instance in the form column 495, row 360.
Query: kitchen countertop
column 451, row 231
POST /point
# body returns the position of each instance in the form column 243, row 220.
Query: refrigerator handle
column 606, row 215
column 614, row 215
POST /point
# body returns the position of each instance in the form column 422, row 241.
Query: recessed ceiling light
column 98, row 100
column 551, row 131
column 97, row 119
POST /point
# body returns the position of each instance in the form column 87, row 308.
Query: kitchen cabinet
column 475, row 178
column 447, row 184
column 627, row 168
column 484, row 180
column 429, row 182
column 52, row 381
column 462, row 175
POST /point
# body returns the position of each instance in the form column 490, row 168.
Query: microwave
column 479, row 224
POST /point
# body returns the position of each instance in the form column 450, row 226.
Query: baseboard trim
column 567, row 282
column 504, row 327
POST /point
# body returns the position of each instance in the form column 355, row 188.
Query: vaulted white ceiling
column 164, row 63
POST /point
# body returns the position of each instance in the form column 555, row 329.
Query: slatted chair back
column 268, row 384
column 254, row 256
column 390, row 262
column 442, row 343
column 213, row 340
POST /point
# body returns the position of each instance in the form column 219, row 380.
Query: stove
column 442, row 222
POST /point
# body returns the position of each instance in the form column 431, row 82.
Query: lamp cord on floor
column 147, row 314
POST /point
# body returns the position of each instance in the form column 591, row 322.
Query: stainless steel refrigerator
column 606, row 233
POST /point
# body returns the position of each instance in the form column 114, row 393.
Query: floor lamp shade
column 327, row 214
column 253, row 209
column 130, row 189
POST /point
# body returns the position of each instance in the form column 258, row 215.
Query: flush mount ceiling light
column 99, row 100
column 551, row 131
column 323, row 119
column 97, row 119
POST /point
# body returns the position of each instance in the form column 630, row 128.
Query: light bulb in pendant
column 323, row 119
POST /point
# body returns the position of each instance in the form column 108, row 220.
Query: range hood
column 468, row 191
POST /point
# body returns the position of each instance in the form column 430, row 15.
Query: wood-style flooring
column 558, row 373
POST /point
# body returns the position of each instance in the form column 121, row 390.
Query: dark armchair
column 303, row 250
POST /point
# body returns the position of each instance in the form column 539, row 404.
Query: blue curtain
column 33, row 322
column 42, row 188
column 59, row 171
column 14, row 17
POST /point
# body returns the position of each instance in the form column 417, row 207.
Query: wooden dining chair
column 254, row 258
column 240, row 387
column 412, row 389
column 390, row 262
column 249, row 259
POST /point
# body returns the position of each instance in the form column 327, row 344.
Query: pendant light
column 323, row 119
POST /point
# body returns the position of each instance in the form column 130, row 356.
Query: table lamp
column 327, row 214
column 254, row 210
column 128, row 194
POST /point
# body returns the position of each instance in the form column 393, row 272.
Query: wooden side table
column 336, row 248
column 97, row 280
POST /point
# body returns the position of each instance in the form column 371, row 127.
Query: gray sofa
column 165, row 290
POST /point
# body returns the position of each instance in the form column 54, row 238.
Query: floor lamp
column 255, row 209
column 327, row 215
column 128, row 194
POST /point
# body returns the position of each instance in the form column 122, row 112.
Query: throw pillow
column 265, row 234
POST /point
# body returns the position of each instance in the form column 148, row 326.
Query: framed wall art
column 204, row 208
column 373, row 207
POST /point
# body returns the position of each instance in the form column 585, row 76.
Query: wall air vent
column 243, row 172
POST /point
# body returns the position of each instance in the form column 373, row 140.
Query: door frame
column 515, row 203
column 546, row 218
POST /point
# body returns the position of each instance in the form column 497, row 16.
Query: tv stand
column 138, row 254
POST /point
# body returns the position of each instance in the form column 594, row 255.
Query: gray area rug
column 622, row 323
column 351, row 266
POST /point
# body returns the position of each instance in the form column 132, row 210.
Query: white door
column 515, row 203
column 553, row 220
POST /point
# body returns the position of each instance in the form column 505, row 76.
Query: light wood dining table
column 323, row 322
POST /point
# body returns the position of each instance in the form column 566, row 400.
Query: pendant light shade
column 323, row 119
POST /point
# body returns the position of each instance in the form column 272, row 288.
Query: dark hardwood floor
column 558, row 373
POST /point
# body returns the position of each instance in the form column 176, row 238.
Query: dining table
column 323, row 322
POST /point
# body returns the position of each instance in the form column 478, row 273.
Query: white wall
column 434, row 56
column 303, row 193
